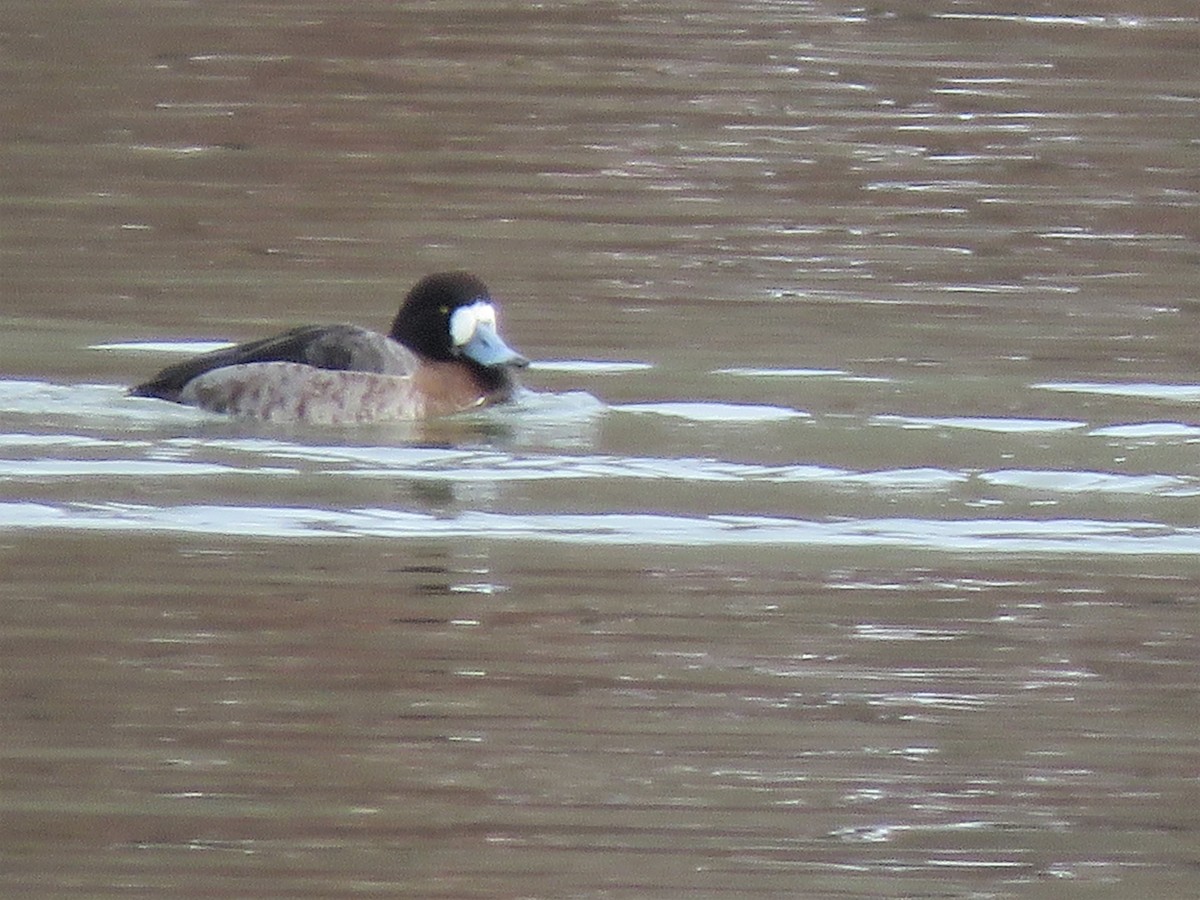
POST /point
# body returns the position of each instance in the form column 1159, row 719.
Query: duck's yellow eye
column 444, row 310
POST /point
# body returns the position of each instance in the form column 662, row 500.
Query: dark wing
column 342, row 347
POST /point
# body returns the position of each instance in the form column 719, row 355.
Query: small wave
column 163, row 346
column 1150, row 431
column 979, row 423
column 1186, row 393
column 209, row 455
column 1074, row 482
column 563, row 405
column 107, row 404
column 718, row 413
column 996, row 536
column 72, row 469
column 590, row 366
column 751, row 372
column 834, row 374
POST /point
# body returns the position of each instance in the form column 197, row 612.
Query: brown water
column 847, row 546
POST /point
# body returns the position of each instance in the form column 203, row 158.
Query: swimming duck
column 443, row 355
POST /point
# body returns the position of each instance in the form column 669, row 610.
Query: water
column 845, row 544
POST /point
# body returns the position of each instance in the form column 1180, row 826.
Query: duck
column 443, row 355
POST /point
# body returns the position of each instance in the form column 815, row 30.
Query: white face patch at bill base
column 465, row 321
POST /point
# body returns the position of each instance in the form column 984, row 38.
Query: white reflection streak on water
column 616, row 529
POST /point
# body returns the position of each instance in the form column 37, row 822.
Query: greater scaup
column 443, row 355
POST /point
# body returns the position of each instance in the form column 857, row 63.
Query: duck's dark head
column 451, row 317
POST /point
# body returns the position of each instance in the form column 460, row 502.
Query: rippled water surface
column 846, row 542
